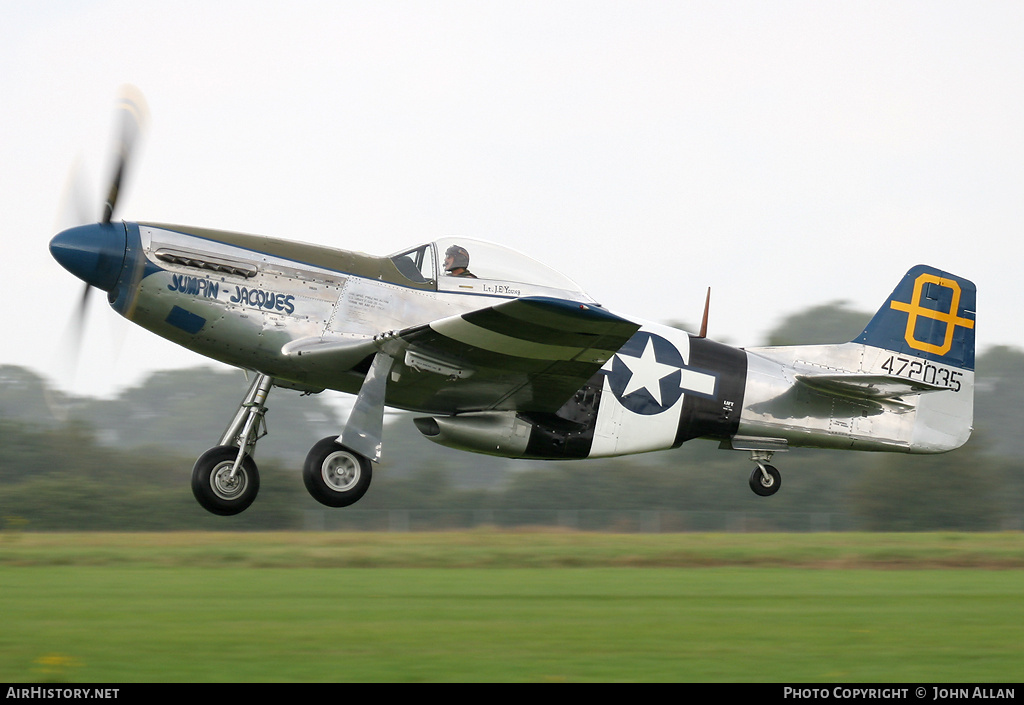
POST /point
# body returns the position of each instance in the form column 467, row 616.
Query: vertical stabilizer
column 930, row 315
column 925, row 334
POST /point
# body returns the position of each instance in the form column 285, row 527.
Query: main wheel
column 765, row 486
column 216, row 490
column 335, row 475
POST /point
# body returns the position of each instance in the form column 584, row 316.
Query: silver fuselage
column 246, row 300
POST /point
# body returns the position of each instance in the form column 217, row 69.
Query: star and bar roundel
column 648, row 375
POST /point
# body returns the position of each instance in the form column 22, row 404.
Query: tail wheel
column 765, row 483
column 215, row 488
column 334, row 475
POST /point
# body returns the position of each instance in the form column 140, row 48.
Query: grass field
column 511, row 606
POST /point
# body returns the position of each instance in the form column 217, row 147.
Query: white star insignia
column 647, row 372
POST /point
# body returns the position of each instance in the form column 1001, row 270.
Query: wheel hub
column 340, row 471
column 225, row 486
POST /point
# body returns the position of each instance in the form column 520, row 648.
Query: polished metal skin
column 526, row 365
column 503, row 355
column 809, row 413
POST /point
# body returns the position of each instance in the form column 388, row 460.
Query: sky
column 785, row 154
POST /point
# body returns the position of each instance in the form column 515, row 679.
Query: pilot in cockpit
column 456, row 262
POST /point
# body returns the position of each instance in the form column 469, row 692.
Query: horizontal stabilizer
column 867, row 386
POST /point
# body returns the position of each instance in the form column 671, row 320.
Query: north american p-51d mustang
column 502, row 355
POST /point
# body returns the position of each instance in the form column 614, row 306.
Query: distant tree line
column 125, row 464
column 61, row 479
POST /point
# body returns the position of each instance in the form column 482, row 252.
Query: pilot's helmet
column 460, row 258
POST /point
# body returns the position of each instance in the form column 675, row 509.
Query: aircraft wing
column 867, row 386
column 344, row 353
column 529, row 354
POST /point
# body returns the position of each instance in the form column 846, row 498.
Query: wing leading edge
column 527, row 354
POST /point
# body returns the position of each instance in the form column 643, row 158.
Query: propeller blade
column 68, row 352
column 77, row 327
column 133, row 115
column 80, row 314
column 76, row 201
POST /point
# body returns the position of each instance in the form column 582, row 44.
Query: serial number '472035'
column 923, row 371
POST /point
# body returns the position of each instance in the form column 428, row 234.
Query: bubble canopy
column 488, row 262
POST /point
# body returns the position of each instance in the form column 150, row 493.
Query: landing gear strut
column 765, row 480
column 225, row 479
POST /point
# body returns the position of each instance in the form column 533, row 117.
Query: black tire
column 765, row 486
column 334, row 475
column 215, row 491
